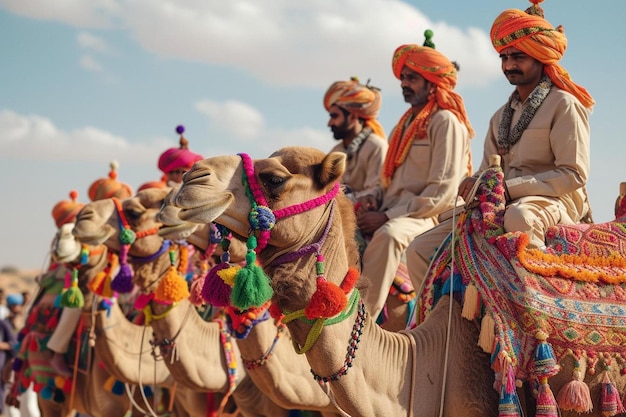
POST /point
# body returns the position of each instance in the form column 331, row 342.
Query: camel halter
column 127, row 236
column 329, row 300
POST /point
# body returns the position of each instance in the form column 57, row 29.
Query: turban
column 178, row 158
column 65, row 211
column 532, row 34
column 436, row 68
column 104, row 188
column 15, row 300
column 361, row 100
column 441, row 72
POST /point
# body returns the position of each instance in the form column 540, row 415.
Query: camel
column 89, row 396
column 294, row 192
column 271, row 361
column 380, row 365
column 196, row 366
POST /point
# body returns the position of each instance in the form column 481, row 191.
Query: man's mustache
column 407, row 90
column 510, row 72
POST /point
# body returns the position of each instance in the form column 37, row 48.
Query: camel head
column 101, row 221
column 213, row 188
column 295, row 184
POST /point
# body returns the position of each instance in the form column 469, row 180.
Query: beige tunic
column 363, row 171
column 551, row 159
column 425, row 185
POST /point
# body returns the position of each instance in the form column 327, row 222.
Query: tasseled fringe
column 611, row 403
column 575, row 395
column 214, row 290
column 487, row 335
column 546, row 404
column 73, row 296
column 471, row 302
column 123, row 281
column 252, row 286
column 509, row 404
column 173, row 287
column 545, row 364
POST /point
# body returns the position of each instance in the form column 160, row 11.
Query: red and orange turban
column 442, row 73
column 178, row 158
column 439, row 70
column 104, row 188
column 361, row 100
column 532, row 34
column 65, row 211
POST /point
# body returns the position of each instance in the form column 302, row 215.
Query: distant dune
column 16, row 281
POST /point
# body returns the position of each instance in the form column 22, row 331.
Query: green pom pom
column 252, row 288
column 72, row 298
column 127, row 237
column 428, row 35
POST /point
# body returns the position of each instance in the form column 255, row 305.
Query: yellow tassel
column 471, row 303
column 228, row 274
column 487, row 333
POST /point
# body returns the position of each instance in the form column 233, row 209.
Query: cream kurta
column 424, row 186
column 545, row 174
column 363, row 170
column 551, row 159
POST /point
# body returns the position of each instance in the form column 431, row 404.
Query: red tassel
column 327, row 301
column 350, row 280
column 546, row 404
column 611, row 401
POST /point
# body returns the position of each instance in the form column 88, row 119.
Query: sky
column 87, row 82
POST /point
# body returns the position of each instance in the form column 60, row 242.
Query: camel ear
column 332, row 167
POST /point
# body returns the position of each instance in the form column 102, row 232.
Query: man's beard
column 340, row 132
column 416, row 98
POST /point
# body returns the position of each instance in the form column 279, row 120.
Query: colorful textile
column 581, row 318
column 361, row 100
column 529, row 32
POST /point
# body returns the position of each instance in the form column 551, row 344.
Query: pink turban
column 361, row 100
column 178, row 158
column 529, row 32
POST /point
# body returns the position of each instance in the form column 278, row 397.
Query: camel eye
column 272, row 181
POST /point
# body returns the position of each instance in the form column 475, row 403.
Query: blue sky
column 83, row 83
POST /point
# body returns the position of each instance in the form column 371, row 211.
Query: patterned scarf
column 508, row 137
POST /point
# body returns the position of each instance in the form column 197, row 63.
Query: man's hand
column 366, row 203
column 370, row 221
column 466, row 187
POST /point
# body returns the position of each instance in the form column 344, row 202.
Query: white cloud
column 94, row 43
column 282, row 42
column 32, row 137
column 233, row 117
column 89, row 63
column 79, row 13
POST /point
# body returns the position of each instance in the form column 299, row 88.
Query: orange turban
column 532, row 34
column 436, row 68
column 65, row 211
column 104, row 188
column 361, row 100
column 178, row 158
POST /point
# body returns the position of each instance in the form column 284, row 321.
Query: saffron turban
column 65, row 211
column 436, row 68
column 178, row 158
column 361, row 100
column 104, row 188
column 532, row 34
